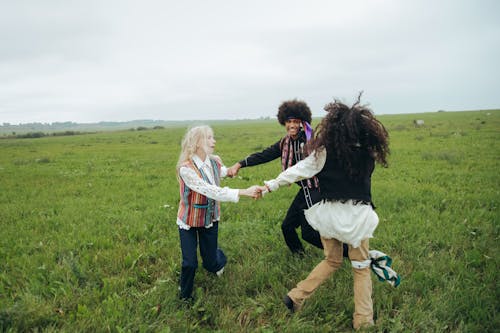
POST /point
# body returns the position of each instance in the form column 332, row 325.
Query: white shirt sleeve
column 304, row 169
column 223, row 171
column 197, row 184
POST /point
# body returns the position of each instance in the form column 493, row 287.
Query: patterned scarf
column 380, row 263
column 381, row 266
column 287, row 153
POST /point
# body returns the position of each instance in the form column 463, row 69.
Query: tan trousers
column 363, row 306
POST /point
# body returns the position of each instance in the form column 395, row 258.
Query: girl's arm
column 304, row 169
column 197, row 184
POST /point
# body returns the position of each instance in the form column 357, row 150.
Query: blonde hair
column 194, row 137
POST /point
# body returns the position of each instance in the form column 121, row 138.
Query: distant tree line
column 82, row 127
column 40, row 134
column 38, row 130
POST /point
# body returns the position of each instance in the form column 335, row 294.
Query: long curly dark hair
column 294, row 109
column 350, row 134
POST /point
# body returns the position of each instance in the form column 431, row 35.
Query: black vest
column 336, row 185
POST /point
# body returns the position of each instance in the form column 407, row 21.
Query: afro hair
column 293, row 109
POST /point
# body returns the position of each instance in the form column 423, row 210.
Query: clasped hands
column 255, row 191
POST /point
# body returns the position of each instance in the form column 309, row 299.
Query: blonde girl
column 199, row 173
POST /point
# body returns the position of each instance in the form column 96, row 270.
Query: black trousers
column 295, row 218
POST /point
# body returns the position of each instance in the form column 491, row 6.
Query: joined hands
column 255, row 191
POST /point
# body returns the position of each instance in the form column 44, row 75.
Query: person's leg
column 363, row 304
column 308, row 233
column 333, row 260
column 213, row 258
column 292, row 222
column 189, row 245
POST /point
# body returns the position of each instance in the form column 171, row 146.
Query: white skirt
column 347, row 222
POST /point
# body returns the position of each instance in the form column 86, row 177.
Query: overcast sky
column 90, row 61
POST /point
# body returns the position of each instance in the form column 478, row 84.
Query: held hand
column 256, row 191
column 233, row 171
column 263, row 190
column 252, row 191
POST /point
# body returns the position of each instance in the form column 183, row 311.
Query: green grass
column 89, row 241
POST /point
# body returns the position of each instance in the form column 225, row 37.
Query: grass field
column 89, row 242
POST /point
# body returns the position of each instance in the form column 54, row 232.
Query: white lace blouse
column 208, row 189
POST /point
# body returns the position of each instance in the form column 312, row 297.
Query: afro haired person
column 295, row 116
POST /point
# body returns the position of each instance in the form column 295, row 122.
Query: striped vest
column 195, row 209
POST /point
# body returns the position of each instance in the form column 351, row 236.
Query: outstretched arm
column 269, row 154
column 304, row 169
column 197, row 184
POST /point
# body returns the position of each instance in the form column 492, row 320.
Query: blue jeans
column 212, row 257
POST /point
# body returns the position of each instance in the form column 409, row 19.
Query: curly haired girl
column 348, row 142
